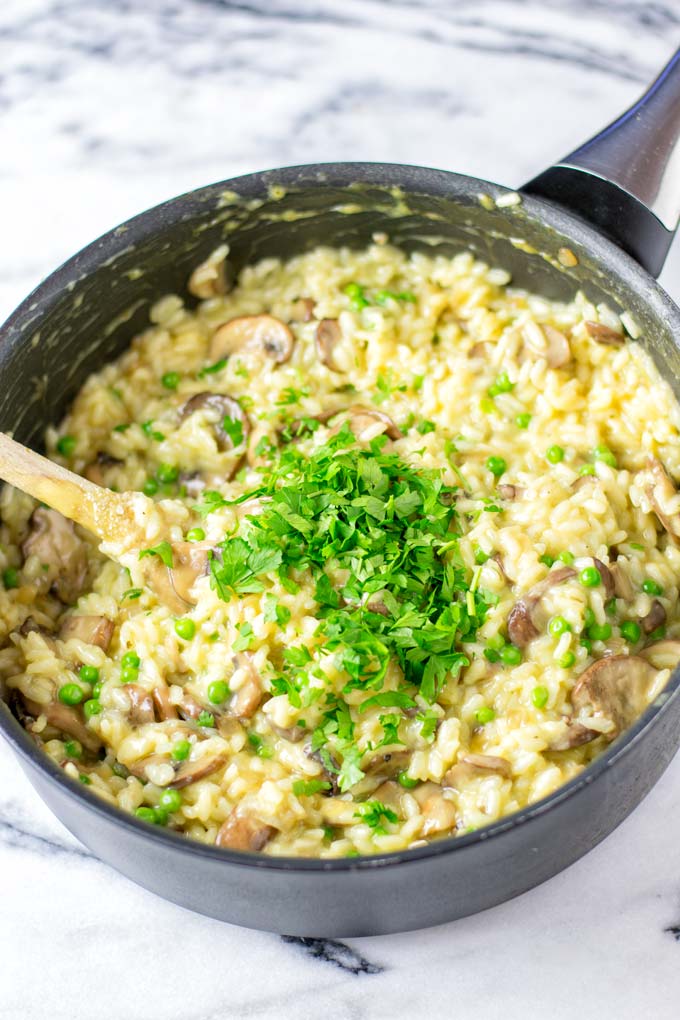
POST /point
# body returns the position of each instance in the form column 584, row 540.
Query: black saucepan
column 626, row 184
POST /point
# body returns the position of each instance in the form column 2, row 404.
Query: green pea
column 97, row 689
column 522, row 420
column 146, row 814
column 485, row 715
column 170, row 380
column 88, row 674
column 71, row 694
column 630, row 630
column 131, row 659
column 181, row 750
column 167, row 473
column 588, row 617
column 497, row 466
column 129, row 675
column 604, row 454
column 540, row 696
column 66, row 445
column 554, row 454
column 511, row 655
column 546, row 560
column 600, row 631
column 650, row 587
column 92, row 707
column 590, row 577
column 501, row 385
column 588, row 645
column 73, row 748
column 185, row 628
column 170, row 800
column 160, row 816
column 10, row 578
column 150, row 487
column 566, row 557
column 195, row 535
column 491, row 655
column 218, row 691
column 558, row 625
column 586, row 469
column 405, row 780
column 567, row 660
column 85, row 780
column 657, row 634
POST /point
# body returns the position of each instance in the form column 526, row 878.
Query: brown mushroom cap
column 607, row 578
column 210, row 278
column 656, row 617
column 217, row 407
column 243, row 831
column 521, row 622
column 247, row 698
column 602, row 334
column 303, row 310
column 93, row 630
column 363, row 421
column 328, row 335
column 164, row 707
column 141, row 705
column 52, row 538
column 660, row 490
column 547, row 342
column 573, row 735
column 263, row 333
column 616, row 687
column 468, row 764
column 191, row 771
column 67, row 720
column 439, row 815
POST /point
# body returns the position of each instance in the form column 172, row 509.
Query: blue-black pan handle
column 626, row 179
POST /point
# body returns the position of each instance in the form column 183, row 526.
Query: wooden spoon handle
column 101, row 511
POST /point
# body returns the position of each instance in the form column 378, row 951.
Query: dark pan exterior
column 86, row 313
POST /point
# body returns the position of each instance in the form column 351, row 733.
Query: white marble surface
column 109, row 106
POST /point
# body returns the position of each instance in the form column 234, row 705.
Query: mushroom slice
column 66, row 720
column 303, row 310
column 93, row 630
column 191, row 771
column 328, row 335
column 622, row 586
column 607, row 578
column 190, row 560
column 469, row 764
column 663, row 654
column 218, row 408
column 604, row 334
column 329, row 767
column 389, row 793
column 573, row 735
column 52, row 538
column 141, row 705
column 656, row 617
column 292, row 733
column 263, row 333
column 366, row 423
column 161, row 699
column 661, row 493
column 243, row 831
column 509, row 492
column 547, row 342
column 617, row 688
column 439, row 815
column 247, row 698
column 521, row 622
column 209, row 279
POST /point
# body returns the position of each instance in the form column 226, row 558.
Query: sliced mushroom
column 300, row 427
column 366, row 423
column 31, row 626
column 522, row 624
column 656, row 617
column 210, row 278
column 161, row 699
column 262, row 333
column 243, row 831
column 93, row 630
column 247, row 698
column 509, row 492
column 660, row 491
column 67, row 720
column 573, row 735
column 617, row 688
column 387, row 766
column 191, row 771
column 328, row 335
column 217, row 407
column 389, row 793
column 479, row 349
column 190, row 560
column 52, row 538
column 292, row 733
column 189, row 708
column 547, row 342
column 303, row 310
column 468, row 764
column 607, row 578
column 329, row 767
column 141, row 705
column 604, row 334
column 663, row 654
column 622, row 586
column 439, row 815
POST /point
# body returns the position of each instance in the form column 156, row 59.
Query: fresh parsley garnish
column 163, row 550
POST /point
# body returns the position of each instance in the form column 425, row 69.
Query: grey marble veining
column 109, row 106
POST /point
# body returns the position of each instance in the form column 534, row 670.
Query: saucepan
column 601, row 221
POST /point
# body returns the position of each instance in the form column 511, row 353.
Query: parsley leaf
column 307, row 787
column 163, row 550
column 373, row 812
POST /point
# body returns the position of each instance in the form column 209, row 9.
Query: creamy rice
column 557, row 440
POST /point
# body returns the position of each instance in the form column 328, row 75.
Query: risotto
column 418, row 533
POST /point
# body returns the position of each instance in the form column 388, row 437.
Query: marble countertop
column 107, row 107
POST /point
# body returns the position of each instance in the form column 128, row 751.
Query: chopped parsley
column 308, row 787
column 212, row 369
column 163, row 550
column 234, row 429
column 373, row 812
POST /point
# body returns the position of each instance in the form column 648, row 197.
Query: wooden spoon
column 123, row 519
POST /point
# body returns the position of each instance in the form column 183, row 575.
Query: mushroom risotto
column 418, row 532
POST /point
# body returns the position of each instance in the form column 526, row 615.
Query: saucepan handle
column 626, row 179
